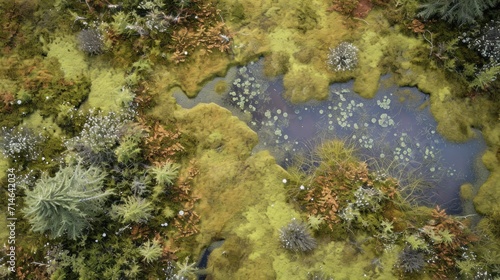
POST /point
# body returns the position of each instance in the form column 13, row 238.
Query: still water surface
column 394, row 131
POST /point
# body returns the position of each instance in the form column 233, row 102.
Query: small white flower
column 181, row 213
column 284, row 181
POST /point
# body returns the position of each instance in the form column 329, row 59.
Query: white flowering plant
column 344, row 57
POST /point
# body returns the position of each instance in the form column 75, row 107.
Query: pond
column 394, row 132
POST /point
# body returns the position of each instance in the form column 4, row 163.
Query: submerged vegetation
column 106, row 177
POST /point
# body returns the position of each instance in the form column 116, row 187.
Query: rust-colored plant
column 448, row 237
column 161, row 144
column 139, row 231
column 208, row 33
column 416, row 26
column 333, row 182
column 6, row 101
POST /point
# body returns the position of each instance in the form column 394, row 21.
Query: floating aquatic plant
column 385, row 120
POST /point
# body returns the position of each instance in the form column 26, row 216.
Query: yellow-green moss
column 4, row 164
column 39, row 123
column 491, row 159
column 243, row 194
column 467, row 191
column 108, row 90
column 72, row 60
column 201, row 121
column 277, row 63
column 4, row 230
column 487, row 201
column 371, row 50
column 303, row 84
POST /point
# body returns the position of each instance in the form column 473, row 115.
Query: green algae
column 242, row 193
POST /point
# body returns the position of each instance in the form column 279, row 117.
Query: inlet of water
column 394, row 130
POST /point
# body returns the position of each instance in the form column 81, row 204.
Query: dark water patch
column 395, row 131
column 203, row 261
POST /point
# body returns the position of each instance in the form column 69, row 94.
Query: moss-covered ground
column 239, row 196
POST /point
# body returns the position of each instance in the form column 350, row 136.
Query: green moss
column 487, row 200
column 276, row 63
column 73, row 62
column 39, row 123
column 4, row 230
column 491, row 159
column 366, row 84
column 453, row 121
column 107, row 90
column 303, row 84
column 467, row 191
column 304, row 55
column 200, row 121
column 237, row 12
column 202, row 68
column 371, row 51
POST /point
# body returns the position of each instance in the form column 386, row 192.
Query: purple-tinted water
column 394, row 131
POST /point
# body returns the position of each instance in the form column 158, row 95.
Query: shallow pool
column 395, row 132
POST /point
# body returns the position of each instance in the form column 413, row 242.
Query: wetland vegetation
column 235, row 139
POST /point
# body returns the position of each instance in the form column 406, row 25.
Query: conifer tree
column 67, row 202
column 457, row 11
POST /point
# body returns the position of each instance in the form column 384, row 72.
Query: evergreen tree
column 457, row 11
column 67, row 202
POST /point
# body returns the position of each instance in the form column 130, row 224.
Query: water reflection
column 394, row 131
